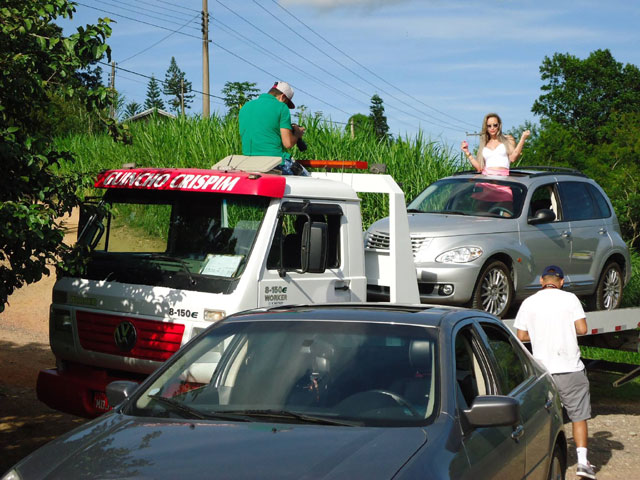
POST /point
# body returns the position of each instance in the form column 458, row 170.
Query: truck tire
column 493, row 292
column 608, row 294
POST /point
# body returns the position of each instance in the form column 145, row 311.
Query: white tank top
column 496, row 158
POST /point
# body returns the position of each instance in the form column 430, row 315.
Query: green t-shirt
column 260, row 123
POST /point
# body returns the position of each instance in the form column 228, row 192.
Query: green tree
column 583, row 94
column 153, row 99
column 362, row 125
column 177, row 87
column 378, row 118
column 236, row 94
column 38, row 63
column 591, row 122
column 131, row 109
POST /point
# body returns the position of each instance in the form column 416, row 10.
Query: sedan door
column 492, row 452
column 519, row 378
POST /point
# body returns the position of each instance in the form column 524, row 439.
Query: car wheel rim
column 495, row 291
column 612, row 289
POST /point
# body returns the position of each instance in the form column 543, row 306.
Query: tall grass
column 199, row 143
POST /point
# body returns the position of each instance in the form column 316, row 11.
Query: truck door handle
column 602, row 231
column 548, row 404
column 517, row 432
column 566, row 234
column 341, row 286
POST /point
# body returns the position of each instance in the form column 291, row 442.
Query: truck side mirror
column 544, row 215
column 90, row 227
column 314, row 247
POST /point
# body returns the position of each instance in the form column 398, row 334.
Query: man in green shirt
column 265, row 125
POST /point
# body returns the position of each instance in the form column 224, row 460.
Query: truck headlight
column 460, row 255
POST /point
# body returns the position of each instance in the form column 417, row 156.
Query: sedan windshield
column 332, row 373
column 483, row 197
column 175, row 239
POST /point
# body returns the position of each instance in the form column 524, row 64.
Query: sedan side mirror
column 544, row 215
column 119, row 391
column 493, row 411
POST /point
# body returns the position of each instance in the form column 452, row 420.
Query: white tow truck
column 179, row 249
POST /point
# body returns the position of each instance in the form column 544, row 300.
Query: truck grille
column 380, row 241
column 154, row 340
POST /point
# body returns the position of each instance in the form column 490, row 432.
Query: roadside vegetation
column 191, row 142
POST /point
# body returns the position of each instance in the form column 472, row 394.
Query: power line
column 279, row 59
column 144, row 12
column 156, row 43
column 181, row 12
column 138, row 20
column 179, row 6
column 281, row 44
column 362, row 78
column 364, row 67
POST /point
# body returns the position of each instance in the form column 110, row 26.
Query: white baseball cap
column 285, row 88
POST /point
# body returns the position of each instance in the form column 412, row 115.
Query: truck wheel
column 608, row 294
column 494, row 289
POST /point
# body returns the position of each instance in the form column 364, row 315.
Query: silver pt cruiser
column 480, row 241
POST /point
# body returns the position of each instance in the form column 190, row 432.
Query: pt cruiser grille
column 380, row 241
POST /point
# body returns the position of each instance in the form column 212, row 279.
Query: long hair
column 507, row 140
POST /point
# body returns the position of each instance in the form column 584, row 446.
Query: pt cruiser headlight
column 460, row 255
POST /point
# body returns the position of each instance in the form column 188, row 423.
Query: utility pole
column 112, row 108
column 353, row 128
column 182, row 96
column 205, row 59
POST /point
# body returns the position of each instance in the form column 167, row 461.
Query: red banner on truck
column 194, row 180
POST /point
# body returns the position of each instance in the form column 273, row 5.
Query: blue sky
column 438, row 65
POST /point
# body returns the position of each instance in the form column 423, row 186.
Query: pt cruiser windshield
column 484, row 197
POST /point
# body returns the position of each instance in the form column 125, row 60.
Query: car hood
column 119, row 446
column 441, row 225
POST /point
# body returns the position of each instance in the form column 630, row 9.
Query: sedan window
column 513, row 369
column 470, row 378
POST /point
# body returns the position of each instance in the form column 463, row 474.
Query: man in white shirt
column 551, row 320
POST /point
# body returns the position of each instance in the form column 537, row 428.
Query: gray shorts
column 574, row 393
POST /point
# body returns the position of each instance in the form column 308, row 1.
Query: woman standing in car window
column 496, row 151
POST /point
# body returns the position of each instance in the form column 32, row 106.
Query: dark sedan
column 365, row 391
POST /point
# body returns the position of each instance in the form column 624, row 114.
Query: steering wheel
column 500, row 210
column 358, row 399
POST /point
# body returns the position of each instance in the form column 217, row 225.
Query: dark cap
column 553, row 270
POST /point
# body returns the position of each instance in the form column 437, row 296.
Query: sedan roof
column 419, row 315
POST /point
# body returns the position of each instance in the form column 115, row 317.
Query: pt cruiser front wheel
column 493, row 292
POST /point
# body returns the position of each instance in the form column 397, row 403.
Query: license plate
column 100, row 402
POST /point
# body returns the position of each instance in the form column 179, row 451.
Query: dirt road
column 26, row 424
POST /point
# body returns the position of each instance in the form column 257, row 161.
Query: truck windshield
column 176, row 239
column 478, row 197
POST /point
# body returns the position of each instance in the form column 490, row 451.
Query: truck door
column 284, row 280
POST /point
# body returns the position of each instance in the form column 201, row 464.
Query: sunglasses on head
column 494, row 125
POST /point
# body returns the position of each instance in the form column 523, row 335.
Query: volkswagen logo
column 125, row 336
